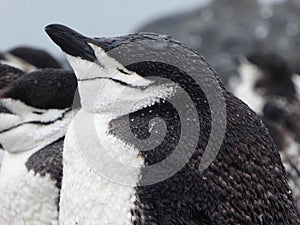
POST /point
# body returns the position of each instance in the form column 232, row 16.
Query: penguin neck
column 104, row 191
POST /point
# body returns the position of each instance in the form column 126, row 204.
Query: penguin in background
column 269, row 86
column 19, row 61
column 245, row 184
column 36, row 110
column 28, row 59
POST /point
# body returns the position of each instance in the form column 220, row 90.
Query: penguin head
column 36, row 57
column 28, row 59
column 35, row 107
column 105, row 82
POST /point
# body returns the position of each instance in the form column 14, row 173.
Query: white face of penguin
column 106, row 86
column 24, row 127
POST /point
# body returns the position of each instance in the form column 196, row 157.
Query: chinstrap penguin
column 268, row 85
column 37, row 109
column 29, row 59
column 245, row 184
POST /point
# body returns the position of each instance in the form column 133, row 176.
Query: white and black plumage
column 245, row 184
column 7, row 75
column 36, row 111
column 268, row 86
column 28, row 59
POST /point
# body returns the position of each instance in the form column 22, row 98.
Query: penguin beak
column 71, row 42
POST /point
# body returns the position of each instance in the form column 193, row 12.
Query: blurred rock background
column 227, row 29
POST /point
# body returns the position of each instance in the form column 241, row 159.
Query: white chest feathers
column 92, row 194
column 26, row 198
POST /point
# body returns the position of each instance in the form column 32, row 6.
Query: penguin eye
column 123, row 71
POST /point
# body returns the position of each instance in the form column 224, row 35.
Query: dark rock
column 227, row 29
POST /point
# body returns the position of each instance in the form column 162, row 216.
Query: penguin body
column 31, row 135
column 245, row 183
